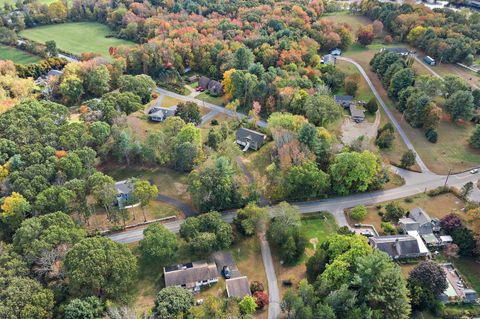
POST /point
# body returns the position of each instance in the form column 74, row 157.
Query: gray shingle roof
column 189, row 274
column 356, row 113
column 399, row 246
column 244, row 133
column 420, row 216
column 124, row 187
column 238, row 287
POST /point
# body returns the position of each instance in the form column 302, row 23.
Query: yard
column 71, row 37
column 356, row 21
column 217, row 100
column 316, row 228
column 16, row 55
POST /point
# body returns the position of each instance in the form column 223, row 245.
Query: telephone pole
column 446, row 180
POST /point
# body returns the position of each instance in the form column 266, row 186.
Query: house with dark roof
column 249, row 139
column 399, row 51
column 125, row 191
column 191, row 276
column 160, row 114
column 238, row 287
column 344, row 100
column 357, row 114
column 398, row 246
column 418, row 220
column 328, row 59
column 215, row 88
column 203, row 81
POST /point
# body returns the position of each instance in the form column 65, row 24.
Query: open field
column 436, row 207
column 71, row 37
column 16, row 55
column 441, row 156
column 356, row 21
column 316, row 228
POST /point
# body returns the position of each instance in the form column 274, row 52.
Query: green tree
column 460, row 105
column 126, row 102
column 98, row 266
column 88, row 308
column 454, row 84
column 400, row 81
column 306, row 181
column 251, row 219
column 158, row 244
column 316, row 265
column 372, row 106
column 172, row 302
column 184, row 156
column 408, row 159
column 97, row 81
column 247, row 305
column 189, row 112
column 243, row 58
column 51, row 48
column 475, row 137
column 466, row 190
column 141, row 85
column 71, row 88
column 463, row 237
column 394, row 212
column 322, row 109
column 144, row 192
column 353, row 172
column 430, row 276
column 359, row 212
column 100, row 131
column 54, row 199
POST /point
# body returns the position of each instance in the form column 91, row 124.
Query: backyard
column 71, row 37
column 16, row 55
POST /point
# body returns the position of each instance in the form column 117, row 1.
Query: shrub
column 408, row 200
column 261, row 298
column 351, row 85
column 372, row 107
column 438, row 191
column 388, row 228
column 358, row 213
column 256, row 286
column 214, row 122
column 387, row 39
column 431, row 135
column 385, row 139
column 408, row 159
column 394, row 212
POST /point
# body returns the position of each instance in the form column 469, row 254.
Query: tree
column 243, row 58
column 460, row 105
column 158, row 245
column 372, row 106
column 172, row 302
column 466, row 190
column 97, row 81
column 184, row 156
column 316, row 265
column 394, row 212
column 261, row 299
column 126, row 102
column 431, row 276
column 377, row 26
column 365, row 35
column 353, row 172
column 71, row 88
column 401, row 80
column 88, row 308
column 189, row 112
column 454, row 84
column 98, row 266
column 100, row 131
column 475, row 137
column 451, row 222
column 14, row 210
column 351, row 85
column 141, row 85
column 358, row 213
column 247, row 305
column 408, row 159
column 54, row 199
column 51, row 48
column 463, row 237
column 322, row 109
column 251, row 219
column 385, row 136
column 144, row 192
column 306, row 181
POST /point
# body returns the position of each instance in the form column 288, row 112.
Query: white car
column 474, row 171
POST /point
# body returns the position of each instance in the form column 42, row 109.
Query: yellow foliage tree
column 227, row 83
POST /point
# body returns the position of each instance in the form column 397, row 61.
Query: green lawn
column 77, row 37
column 318, row 227
column 219, row 100
column 17, row 56
column 470, row 269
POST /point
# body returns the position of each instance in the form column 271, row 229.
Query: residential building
column 249, row 139
column 344, row 100
column 124, row 193
column 191, row 276
column 336, row 52
column 160, row 114
column 418, row 220
column 238, row 287
column 399, row 246
column 328, row 59
column 203, row 82
column 215, row 88
column 357, row 114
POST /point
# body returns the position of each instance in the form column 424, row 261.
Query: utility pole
column 446, row 180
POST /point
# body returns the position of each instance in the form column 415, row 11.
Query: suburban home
column 43, row 80
column 160, row 114
column 418, row 220
column 203, row 82
column 191, row 276
column 215, row 88
column 328, row 59
column 249, row 139
column 357, row 115
column 336, row 52
column 399, row 246
column 399, row 51
column 124, row 193
column 344, row 100
column 237, row 287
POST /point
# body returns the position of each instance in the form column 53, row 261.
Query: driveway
column 225, row 258
column 351, row 130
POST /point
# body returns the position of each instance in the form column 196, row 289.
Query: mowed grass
column 77, row 37
column 17, row 56
column 470, row 269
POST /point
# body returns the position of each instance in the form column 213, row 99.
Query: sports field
column 17, row 56
column 77, row 37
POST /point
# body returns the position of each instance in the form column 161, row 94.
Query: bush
column 358, row 213
column 431, row 135
column 394, row 212
column 388, row 228
column 408, row 159
column 438, row 191
column 385, row 139
column 372, row 107
column 256, row 286
column 408, row 200
column 351, row 85
column 214, row 122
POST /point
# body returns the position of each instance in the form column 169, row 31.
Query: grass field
column 356, row 21
column 77, row 37
column 17, row 56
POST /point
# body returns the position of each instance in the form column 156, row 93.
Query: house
column 203, row 82
column 249, row 139
column 328, row 59
column 344, row 100
column 336, row 52
column 399, row 51
column 215, row 88
column 429, row 60
column 357, row 115
column 191, row 276
column 43, row 80
column 398, row 246
column 124, row 193
column 238, row 287
column 160, row 114
column 418, row 220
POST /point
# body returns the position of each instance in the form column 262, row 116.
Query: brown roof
column 190, row 273
column 238, row 287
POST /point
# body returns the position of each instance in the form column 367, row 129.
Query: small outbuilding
column 399, row 51
column 357, row 115
column 249, row 139
column 343, row 100
column 238, row 287
column 336, row 52
column 328, row 59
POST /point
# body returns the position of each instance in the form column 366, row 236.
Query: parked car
column 474, row 171
column 226, row 272
column 199, row 89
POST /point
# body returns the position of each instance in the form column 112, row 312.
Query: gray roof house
column 215, row 88
column 203, row 82
column 418, row 220
column 328, row 59
column 191, row 276
column 124, row 193
column 160, row 114
column 357, row 115
column 249, row 139
column 398, row 246
column 238, row 287
column 344, row 100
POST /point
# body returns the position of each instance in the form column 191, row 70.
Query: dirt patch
column 352, row 131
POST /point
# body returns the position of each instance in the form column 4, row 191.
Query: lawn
column 169, row 101
column 356, row 21
column 17, row 56
column 71, row 37
column 218, row 100
column 257, row 163
column 470, row 269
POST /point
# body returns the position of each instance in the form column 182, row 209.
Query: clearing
column 16, row 55
column 70, row 37
column 356, row 21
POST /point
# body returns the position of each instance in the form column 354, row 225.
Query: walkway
column 273, row 291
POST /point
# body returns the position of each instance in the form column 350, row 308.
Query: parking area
column 225, row 258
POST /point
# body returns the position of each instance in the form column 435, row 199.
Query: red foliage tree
column 451, row 222
column 365, row 35
column 261, row 298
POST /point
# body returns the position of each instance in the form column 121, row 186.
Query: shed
column 429, row 60
column 249, row 139
column 343, row 100
column 192, row 79
column 328, row 59
column 470, row 295
column 238, row 287
column 447, row 239
column 55, row 73
column 336, row 52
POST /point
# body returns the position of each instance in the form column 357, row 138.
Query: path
column 211, row 106
column 273, row 291
column 207, row 117
column 390, row 115
column 187, row 210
